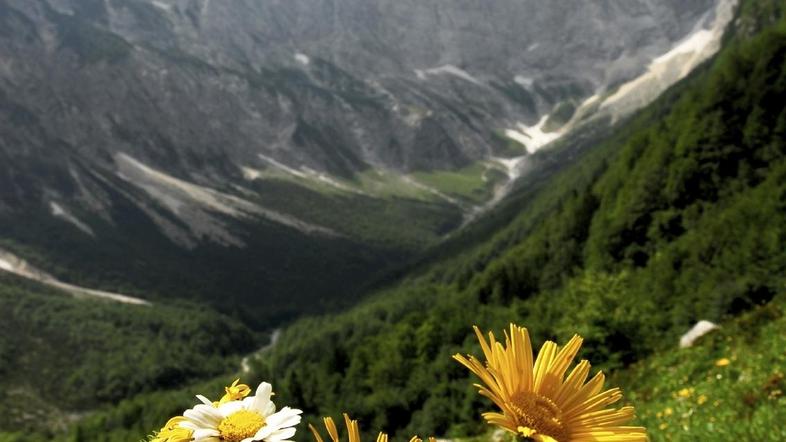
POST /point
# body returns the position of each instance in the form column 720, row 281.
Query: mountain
column 676, row 216
column 220, row 150
column 627, row 228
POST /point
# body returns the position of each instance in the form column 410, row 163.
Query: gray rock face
column 338, row 86
column 161, row 144
column 208, row 91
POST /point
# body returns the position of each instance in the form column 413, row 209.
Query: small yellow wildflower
column 685, row 393
column 722, row 362
column 173, row 432
column 234, row 392
column 701, row 399
column 668, row 411
column 532, row 435
column 663, row 426
column 353, row 431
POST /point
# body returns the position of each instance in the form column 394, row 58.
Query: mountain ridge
column 205, row 132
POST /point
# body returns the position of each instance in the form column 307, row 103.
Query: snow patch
column 302, row 58
column 324, row 178
column 58, row 211
column 447, row 69
column 418, row 185
column 175, row 193
column 162, row 5
column 13, row 264
column 673, row 65
column 250, row 174
column 695, row 43
column 307, row 174
column 196, row 206
column 510, row 165
column 533, row 137
column 590, row 101
column 524, row 81
column 514, row 168
column 282, row 166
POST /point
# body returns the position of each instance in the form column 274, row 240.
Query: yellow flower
column 722, row 362
column 668, row 411
column 353, row 432
column 538, row 402
column 531, row 434
column 173, row 432
column 701, row 399
column 685, row 393
column 234, row 392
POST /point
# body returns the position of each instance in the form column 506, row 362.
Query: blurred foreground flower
column 234, row 418
column 538, row 402
column 353, row 432
column 722, row 362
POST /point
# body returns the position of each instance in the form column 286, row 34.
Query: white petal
column 261, row 400
column 287, row 417
column 229, row 408
column 270, row 409
column 206, row 435
column 264, row 432
column 285, row 433
column 190, row 425
column 264, row 390
column 204, row 416
column 204, row 400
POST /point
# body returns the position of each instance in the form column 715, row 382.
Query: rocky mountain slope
column 205, row 132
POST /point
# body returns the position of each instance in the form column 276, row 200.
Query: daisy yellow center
column 240, row 425
column 540, row 414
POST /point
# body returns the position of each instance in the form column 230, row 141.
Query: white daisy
column 251, row 419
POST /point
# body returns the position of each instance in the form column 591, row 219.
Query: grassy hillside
column 729, row 387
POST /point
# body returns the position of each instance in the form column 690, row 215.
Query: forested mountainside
column 678, row 217
column 62, row 356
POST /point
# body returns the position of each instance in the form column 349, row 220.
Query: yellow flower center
column 538, row 414
column 240, row 425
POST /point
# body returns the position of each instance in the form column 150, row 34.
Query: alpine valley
column 327, row 194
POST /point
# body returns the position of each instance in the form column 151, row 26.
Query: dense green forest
column 679, row 216
column 61, row 356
